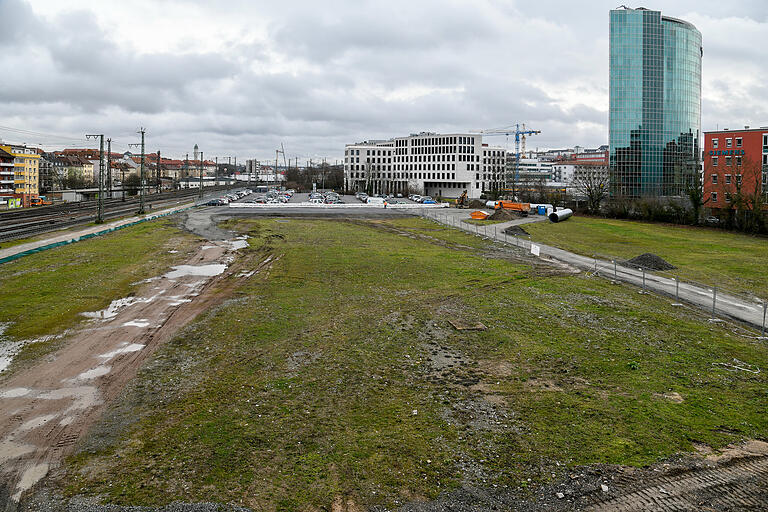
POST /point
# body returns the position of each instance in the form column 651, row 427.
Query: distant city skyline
column 240, row 78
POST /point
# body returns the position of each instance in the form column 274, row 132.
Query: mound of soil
column 650, row 261
column 502, row 214
column 477, row 204
column 516, row 230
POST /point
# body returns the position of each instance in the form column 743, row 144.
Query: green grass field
column 338, row 374
column 45, row 293
column 732, row 261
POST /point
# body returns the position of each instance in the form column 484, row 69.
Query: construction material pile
column 516, row 230
column 502, row 214
column 650, row 261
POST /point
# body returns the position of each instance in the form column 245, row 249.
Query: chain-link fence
column 717, row 300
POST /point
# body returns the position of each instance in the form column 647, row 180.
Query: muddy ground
column 46, row 409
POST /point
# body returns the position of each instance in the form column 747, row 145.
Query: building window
column 738, row 142
column 714, row 161
column 728, row 143
column 738, row 179
column 738, row 161
column 727, row 179
column 727, row 197
column 714, row 143
column 713, row 197
column 714, row 179
column 727, row 161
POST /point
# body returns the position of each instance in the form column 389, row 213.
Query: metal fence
column 711, row 297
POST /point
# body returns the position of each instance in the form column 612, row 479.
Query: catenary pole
column 201, row 175
column 100, row 202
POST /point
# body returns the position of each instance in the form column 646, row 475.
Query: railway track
column 17, row 224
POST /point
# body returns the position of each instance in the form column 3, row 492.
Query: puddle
column 206, row 247
column 10, row 348
column 30, row 477
column 238, row 243
column 83, row 397
column 141, row 322
column 15, row 393
column 99, row 371
column 214, row 269
column 125, row 349
column 110, row 311
column 115, row 306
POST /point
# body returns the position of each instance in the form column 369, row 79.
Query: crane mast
column 518, row 133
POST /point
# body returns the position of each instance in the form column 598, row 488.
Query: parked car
column 429, row 201
column 316, row 200
column 423, row 199
column 712, row 220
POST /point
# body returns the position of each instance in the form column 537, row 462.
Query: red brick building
column 734, row 161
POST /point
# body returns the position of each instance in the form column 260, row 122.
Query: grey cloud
column 329, row 73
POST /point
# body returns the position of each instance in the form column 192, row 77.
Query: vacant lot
column 45, row 293
column 711, row 256
column 337, row 378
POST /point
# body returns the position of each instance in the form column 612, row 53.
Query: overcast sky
column 240, row 77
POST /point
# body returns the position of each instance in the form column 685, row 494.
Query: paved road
column 752, row 312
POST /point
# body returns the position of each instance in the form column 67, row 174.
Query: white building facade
column 438, row 165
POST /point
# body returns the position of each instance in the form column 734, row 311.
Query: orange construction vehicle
column 515, row 207
column 40, row 201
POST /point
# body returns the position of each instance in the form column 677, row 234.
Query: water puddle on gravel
column 99, row 371
column 124, row 349
column 214, row 269
column 139, row 322
column 10, row 348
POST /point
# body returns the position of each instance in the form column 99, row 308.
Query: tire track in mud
column 740, row 484
column 46, row 408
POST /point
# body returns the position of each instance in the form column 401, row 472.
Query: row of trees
column 324, row 175
column 742, row 208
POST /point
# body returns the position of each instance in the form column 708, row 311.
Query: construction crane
column 517, row 132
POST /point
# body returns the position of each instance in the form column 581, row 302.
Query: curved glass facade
column 655, row 103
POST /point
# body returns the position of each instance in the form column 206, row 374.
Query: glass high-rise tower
column 655, row 103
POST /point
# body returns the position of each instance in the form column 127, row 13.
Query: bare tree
column 746, row 198
column 592, row 183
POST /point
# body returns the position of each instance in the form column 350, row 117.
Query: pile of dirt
column 502, row 214
column 476, row 203
column 650, row 261
column 516, row 230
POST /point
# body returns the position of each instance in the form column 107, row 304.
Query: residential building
column 7, row 176
column 426, row 163
column 655, row 103
column 52, row 172
column 26, row 171
column 591, row 163
column 735, row 161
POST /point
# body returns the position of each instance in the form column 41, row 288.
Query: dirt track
column 44, row 409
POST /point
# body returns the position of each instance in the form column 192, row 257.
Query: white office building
column 426, row 163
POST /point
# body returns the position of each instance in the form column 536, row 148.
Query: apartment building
column 426, row 163
column 26, row 165
column 735, row 161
